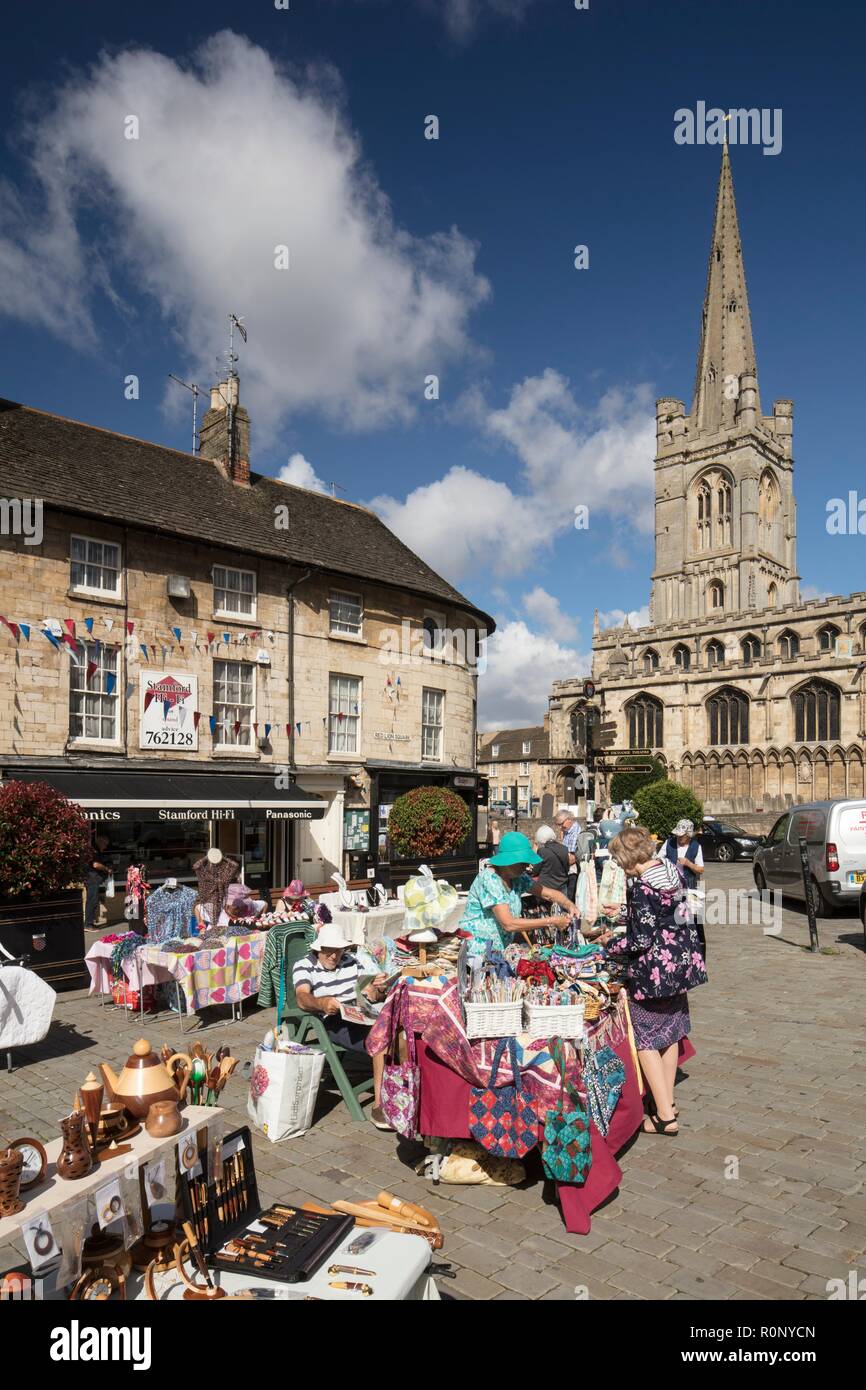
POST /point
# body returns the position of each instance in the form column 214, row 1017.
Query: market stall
column 204, row 976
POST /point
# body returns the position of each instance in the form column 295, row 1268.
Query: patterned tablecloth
column 207, row 976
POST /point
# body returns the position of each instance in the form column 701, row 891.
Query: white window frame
column 338, row 728
column 426, row 726
column 525, row 770
column 356, row 635
column 95, row 590
column 226, row 588
column 527, row 746
column 224, row 725
column 95, row 687
column 494, row 750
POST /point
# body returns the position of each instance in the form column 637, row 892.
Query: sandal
column 661, row 1126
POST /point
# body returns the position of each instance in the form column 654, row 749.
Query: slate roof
column 95, row 472
column 510, row 743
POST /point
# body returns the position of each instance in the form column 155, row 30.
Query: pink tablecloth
column 210, row 976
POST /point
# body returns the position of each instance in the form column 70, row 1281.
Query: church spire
column 727, row 349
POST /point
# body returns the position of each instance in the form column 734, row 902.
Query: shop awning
column 112, row 795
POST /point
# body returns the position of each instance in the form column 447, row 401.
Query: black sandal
column 661, row 1127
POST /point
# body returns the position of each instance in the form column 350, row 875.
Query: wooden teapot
column 144, row 1079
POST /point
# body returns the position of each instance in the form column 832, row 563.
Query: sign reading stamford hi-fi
column 167, row 710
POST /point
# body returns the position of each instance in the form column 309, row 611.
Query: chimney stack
column 225, row 432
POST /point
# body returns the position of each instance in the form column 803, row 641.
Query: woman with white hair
column 552, row 872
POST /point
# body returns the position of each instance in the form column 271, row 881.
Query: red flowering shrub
column 44, row 840
column 428, row 822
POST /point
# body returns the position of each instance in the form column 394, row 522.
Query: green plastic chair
column 303, row 1026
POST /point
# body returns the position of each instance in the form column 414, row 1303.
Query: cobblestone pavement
column 777, row 1084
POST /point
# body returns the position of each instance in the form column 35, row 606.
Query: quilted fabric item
column 503, row 1119
column 26, row 1007
column 566, row 1152
column 401, row 1081
column 604, row 1077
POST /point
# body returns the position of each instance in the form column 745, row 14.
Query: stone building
column 516, row 760
column 752, row 697
column 203, row 655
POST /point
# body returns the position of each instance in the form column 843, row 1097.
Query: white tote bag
column 283, row 1091
column 109, row 886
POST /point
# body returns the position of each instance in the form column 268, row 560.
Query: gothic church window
column 682, row 658
column 769, row 504
column 728, row 717
column 772, row 596
column 789, row 645
column 724, row 502
column 715, row 654
column 751, row 649
column 716, row 595
column 705, row 517
column 827, row 638
column 650, row 661
column 645, row 722
column 816, row 712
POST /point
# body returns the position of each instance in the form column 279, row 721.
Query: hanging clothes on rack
column 137, row 889
column 213, row 883
column 168, row 913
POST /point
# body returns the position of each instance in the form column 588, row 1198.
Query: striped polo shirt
column 339, row 983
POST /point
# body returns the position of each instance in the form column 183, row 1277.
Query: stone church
column 750, row 696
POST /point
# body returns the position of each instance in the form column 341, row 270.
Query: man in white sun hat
column 326, row 978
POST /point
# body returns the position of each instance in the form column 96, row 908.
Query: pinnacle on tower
column 727, row 349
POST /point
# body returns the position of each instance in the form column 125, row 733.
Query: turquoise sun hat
column 514, row 848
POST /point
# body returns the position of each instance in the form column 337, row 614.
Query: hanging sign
column 167, row 704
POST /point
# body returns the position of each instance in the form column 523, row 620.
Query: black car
column 725, row 842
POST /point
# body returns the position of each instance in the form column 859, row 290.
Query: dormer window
column 527, row 745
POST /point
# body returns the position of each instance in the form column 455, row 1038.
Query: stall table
column 207, row 976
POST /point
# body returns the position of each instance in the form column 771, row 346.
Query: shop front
column 164, row 821
column 380, row 860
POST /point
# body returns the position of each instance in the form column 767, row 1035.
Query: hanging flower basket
column 428, row 822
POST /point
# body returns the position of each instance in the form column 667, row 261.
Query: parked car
column 501, row 810
column 835, row 834
column 725, row 842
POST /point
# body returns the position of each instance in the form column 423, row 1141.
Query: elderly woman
column 553, row 870
column 664, row 961
column 494, row 902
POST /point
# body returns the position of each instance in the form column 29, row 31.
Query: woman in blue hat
column 494, row 904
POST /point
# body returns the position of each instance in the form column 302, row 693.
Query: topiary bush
column 661, row 804
column 624, row 782
column 428, row 822
column 44, row 840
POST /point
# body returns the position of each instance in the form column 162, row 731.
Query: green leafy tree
column 44, row 840
column 625, row 781
column 661, row 804
column 428, row 822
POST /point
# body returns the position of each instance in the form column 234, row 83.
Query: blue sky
column 454, row 257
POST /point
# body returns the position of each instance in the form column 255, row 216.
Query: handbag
column 566, row 1150
column 604, row 1078
column 109, row 886
column 401, row 1081
column 503, row 1119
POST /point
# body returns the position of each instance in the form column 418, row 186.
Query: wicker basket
column 555, row 1020
column 493, row 1020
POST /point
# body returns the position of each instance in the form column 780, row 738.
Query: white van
column 835, row 834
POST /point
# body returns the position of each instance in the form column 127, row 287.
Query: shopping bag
column 401, row 1081
column 604, row 1078
column 109, row 886
column 566, row 1150
column 503, row 1119
column 283, row 1091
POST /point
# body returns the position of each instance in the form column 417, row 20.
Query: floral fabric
column 661, row 943
column 488, row 891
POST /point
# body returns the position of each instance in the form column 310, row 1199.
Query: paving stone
column 530, row 1283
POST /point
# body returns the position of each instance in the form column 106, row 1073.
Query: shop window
column 432, row 718
column 95, row 566
column 347, row 613
column 234, row 684
column 344, row 720
column 234, row 593
column 93, row 700
column 816, row 712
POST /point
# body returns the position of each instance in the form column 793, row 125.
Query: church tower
column 725, row 519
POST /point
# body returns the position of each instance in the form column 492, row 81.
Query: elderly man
column 572, row 836
column 325, row 979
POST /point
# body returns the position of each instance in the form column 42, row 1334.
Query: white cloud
column 521, row 665
column 618, row 617
column 236, row 157
column 301, row 473
column 602, row 457
column 461, row 522
column 547, row 615
column 810, row 591
column 463, row 16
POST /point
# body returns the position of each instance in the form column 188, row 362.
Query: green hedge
column 661, row 804
column 625, row 782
